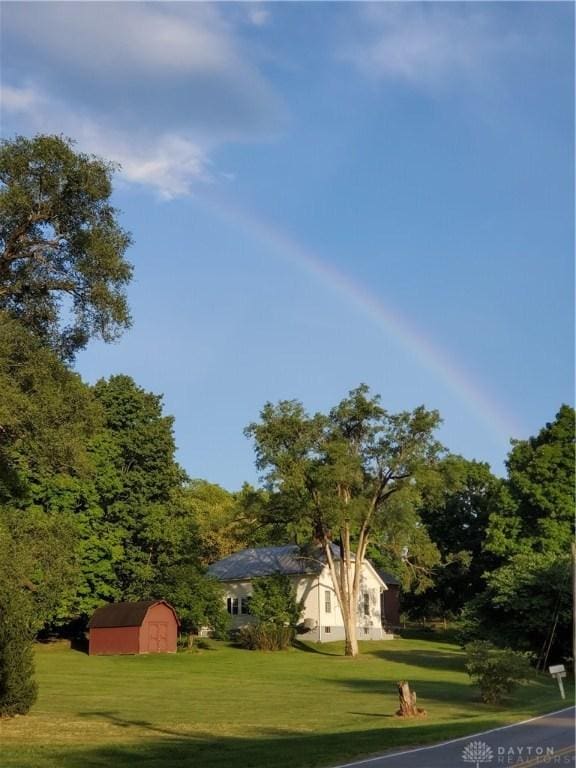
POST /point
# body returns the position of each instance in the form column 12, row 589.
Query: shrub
column 495, row 670
column 274, row 600
column 266, row 637
column 17, row 687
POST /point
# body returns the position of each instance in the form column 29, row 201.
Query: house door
column 157, row 636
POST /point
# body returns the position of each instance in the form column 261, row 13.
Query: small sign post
column 559, row 671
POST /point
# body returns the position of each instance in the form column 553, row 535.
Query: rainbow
column 472, row 393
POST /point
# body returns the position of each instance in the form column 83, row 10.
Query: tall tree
column 338, row 473
column 527, row 600
column 138, row 482
column 455, row 511
column 62, row 265
column 47, row 416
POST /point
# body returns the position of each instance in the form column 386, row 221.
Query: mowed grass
column 229, row 707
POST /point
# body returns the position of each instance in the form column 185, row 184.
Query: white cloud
column 257, row 15
column 168, row 163
column 159, row 39
column 428, row 44
column 155, row 87
column 17, row 99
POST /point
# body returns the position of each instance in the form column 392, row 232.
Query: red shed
column 148, row 626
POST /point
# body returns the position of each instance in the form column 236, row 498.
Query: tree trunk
column 407, row 700
column 351, row 644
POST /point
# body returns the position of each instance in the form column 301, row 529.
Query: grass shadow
column 308, row 647
column 432, row 659
column 283, row 749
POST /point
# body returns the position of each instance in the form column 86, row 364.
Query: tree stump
column 407, row 698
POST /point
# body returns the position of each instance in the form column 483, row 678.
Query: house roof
column 388, row 577
column 124, row 614
column 264, row 561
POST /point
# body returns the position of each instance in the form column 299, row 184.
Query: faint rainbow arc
column 390, row 321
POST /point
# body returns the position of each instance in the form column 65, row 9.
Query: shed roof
column 124, row 614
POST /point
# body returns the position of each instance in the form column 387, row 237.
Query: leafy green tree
column 60, row 243
column 337, row 473
column 198, row 600
column 527, row 600
column 273, row 600
column 402, row 545
column 213, row 511
column 496, row 671
column 138, row 483
column 455, row 511
column 536, row 509
column 47, row 415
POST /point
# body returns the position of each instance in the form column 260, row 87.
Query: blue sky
column 323, row 194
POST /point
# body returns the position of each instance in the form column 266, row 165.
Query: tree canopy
column 337, row 472
column 62, row 266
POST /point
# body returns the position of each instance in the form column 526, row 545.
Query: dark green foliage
column 17, row 687
column 527, row 605
column 536, row 512
column 274, row 601
column 60, row 239
column 266, row 637
column 333, row 476
column 455, row 510
column 197, row 599
column 47, row 415
column 139, row 519
column 495, row 670
column 527, row 602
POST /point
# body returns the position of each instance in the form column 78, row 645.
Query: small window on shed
column 327, row 630
column 233, row 606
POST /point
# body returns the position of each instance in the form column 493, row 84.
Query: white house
column 321, row 618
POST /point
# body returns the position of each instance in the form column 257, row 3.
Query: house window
column 366, row 603
column 328, row 601
column 327, row 630
column 245, row 605
column 366, row 630
column 232, row 606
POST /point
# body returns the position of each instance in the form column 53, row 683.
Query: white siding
column 324, row 626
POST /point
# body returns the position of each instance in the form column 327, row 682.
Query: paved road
column 542, row 741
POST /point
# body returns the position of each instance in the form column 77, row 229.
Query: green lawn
column 227, row 707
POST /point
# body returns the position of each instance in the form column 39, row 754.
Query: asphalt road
column 547, row 740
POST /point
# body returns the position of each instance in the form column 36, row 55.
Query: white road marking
column 451, row 741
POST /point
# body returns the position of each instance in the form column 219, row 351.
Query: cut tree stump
column 407, row 698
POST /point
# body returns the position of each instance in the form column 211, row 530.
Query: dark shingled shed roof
column 124, row 614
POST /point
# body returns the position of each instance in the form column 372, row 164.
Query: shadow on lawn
column 314, row 648
column 427, row 659
column 427, row 691
column 278, row 748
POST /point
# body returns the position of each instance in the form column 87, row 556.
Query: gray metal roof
column 264, row 561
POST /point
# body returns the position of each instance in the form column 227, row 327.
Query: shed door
column 157, row 635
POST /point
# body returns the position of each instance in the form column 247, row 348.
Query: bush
column 266, row 637
column 495, row 670
column 17, row 687
column 274, row 600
